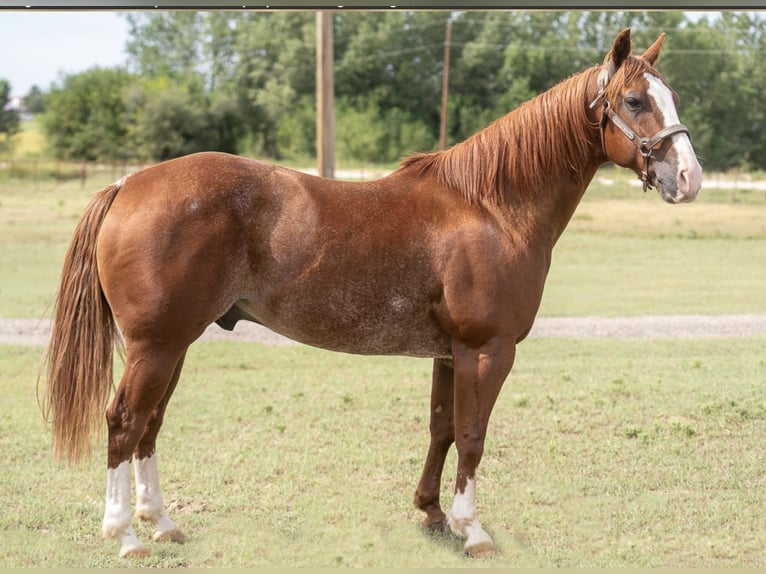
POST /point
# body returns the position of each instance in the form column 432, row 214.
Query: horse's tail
column 83, row 332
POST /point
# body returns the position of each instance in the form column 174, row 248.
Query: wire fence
column 41, row 169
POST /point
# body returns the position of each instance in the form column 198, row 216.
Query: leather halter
column 645, row 145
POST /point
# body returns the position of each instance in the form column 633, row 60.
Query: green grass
column 36, row 224
column 605, row 275
column 600, row 453
column 626, row 255
column 638, row 255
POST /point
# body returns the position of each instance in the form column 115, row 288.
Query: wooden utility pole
column 325, row 96
column 445, row 86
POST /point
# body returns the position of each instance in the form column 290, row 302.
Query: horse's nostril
column 689, row 182
column 683, row 181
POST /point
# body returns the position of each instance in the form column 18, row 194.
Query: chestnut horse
column 444, row 258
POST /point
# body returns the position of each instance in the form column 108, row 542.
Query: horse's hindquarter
column 172, row 242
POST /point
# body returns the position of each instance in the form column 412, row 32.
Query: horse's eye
column 633, row 104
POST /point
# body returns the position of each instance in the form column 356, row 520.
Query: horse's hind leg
column 149, row 371
column 149, row 503
column 442, row 436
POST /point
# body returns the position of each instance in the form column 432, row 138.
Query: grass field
column 600, row 453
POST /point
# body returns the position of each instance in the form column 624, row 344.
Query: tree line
column 245, row 82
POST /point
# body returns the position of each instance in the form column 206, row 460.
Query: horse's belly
column 392, row 329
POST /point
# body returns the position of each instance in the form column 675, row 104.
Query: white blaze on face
column 689, row 176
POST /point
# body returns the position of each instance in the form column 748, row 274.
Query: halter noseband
column 645, row 145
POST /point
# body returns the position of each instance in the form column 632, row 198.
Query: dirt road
column 36, row 331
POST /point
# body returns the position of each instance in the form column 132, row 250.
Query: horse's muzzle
column 687, row 184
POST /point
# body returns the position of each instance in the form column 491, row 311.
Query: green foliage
column 9, row 119
column 393, row 59
column 85, row 117
column 361, row 134
column 273, row 72
column 34, row 101
column 169, row 119
column 165, row 43
column 296, row 133
column 718, row 71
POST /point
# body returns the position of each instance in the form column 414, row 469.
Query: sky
column 37, row 47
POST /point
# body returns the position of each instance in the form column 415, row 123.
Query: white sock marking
column 462, row 517
column 117, row 515
column 149, row 503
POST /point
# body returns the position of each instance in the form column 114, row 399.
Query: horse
column 445, row 258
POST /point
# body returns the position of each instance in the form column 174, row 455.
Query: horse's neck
column 569, row 198
column 543, row 217
column 533, row 164
column 568, row 155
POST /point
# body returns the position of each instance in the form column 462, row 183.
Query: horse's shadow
column 441, row 535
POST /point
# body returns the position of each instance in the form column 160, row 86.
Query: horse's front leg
column 479, row 376
column 442, row 436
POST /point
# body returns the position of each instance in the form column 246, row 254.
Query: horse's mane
column 525, row 149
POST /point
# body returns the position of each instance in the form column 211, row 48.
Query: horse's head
column 639, row 122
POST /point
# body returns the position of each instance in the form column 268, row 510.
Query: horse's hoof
column 135, row 552
column 485, row 549
column 170, row 536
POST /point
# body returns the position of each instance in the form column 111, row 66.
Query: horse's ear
column 621, row 49
column 616, row 56
column 653, row 52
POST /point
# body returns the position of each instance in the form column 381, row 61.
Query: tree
column 85, row 116
column 186, row 100
column 716, row 68
column 275, row 70
column 165, row 43
column 392, row 61
column 169, row 119
column 34, row 101
column 9, row 118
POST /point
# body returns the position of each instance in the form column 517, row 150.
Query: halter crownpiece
column 645, row 145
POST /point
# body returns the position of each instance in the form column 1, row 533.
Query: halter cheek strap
column 645, row 145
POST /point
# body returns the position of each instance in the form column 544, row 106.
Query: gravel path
column 36, row 331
